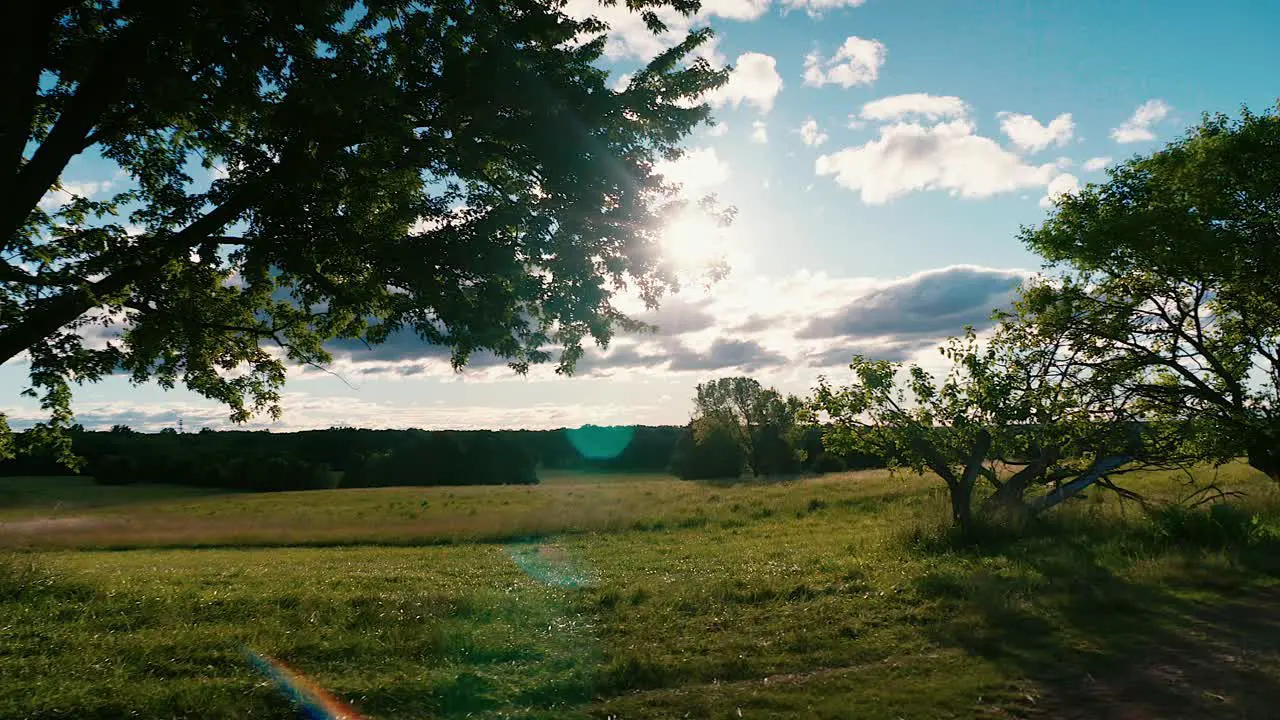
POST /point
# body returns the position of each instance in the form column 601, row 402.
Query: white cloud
column 759, row 132
column 717, row 130
column 1138, row 127
column 908, row 157
column 308, row 411
column 810, row 134
column 1095, row 164
column 754, row 81
column 924, row 105
column 697, row 170
column 1064, row 184
column 622, row 82
column 857, row 62
column 783, row 329
column 56, row 198
column 1028, row 134
column 630, row 38
column 735, row 9
column 817, row 7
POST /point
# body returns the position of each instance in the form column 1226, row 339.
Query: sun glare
column 695, row 243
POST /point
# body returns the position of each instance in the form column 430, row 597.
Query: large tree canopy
column 761, row 420
column 288, row 173
column 1167, row 275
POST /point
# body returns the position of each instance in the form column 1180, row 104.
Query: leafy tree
column 1168, row 279
column 290, row 173
column 761, row 420
column 1019, row 411
column 711, row 454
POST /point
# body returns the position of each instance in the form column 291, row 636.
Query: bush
column 828, row 463
column 1222, row 526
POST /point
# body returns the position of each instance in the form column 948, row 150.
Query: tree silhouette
column 290, row 173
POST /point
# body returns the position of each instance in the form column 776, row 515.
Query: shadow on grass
column 1074, row 615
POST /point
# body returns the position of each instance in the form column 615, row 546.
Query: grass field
column 632, row 597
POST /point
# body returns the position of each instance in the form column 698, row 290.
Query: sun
column 693, row 242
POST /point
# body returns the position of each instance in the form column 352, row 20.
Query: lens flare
column 549, row 565
column 313, row 702
column 600, row 443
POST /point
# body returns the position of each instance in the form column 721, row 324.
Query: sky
column 882, row 156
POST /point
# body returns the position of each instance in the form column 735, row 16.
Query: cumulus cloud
column 933, row 303
column 628, row 37
column 724, row 353
column 1064, row 184
column 1138, row 127
column 1028, row 134
column 696, row 170
column 817, row 7
column 57, row 197
column 857, row 62
column 753, row 81
column 719, row 129
column 1095, row 164
column 597, row 362
column 886, row 349
column 947, row 156
column 403, row 353
column 735, row 9
column 810, row 134
column 759, row 132
column 918, row 105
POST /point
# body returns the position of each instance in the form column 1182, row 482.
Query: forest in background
column 351, row 457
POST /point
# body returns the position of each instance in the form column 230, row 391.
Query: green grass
column 642, row 597
column 41, row 496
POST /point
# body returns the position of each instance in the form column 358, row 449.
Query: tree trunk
column 1096, row 472
column 962, row 507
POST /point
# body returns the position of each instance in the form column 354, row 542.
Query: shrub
column 1221, row 526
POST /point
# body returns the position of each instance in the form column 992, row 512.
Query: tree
column 713, row 453
column 761, row 420
column 1020, row 411
column 1166, row 276
column 290, row 173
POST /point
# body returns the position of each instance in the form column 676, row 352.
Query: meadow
column 636, row 596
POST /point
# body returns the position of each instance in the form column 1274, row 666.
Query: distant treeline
column 348, row 457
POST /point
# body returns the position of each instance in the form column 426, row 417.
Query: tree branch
column 43, row 318
column 66, row 139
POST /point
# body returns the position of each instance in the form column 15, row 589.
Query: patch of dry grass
column 436, row 515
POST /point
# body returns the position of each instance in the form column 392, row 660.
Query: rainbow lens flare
column 313, row 702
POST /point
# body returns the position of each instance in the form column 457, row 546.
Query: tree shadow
column 1094, row 644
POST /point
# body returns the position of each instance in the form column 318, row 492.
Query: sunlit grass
column 423, row 516
column 644, row 597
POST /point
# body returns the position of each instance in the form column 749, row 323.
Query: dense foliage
column 760, row 421
column 290, row 173
column 349, row 457
column 1166, row 277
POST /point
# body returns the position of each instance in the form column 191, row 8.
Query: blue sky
column 938, row 129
